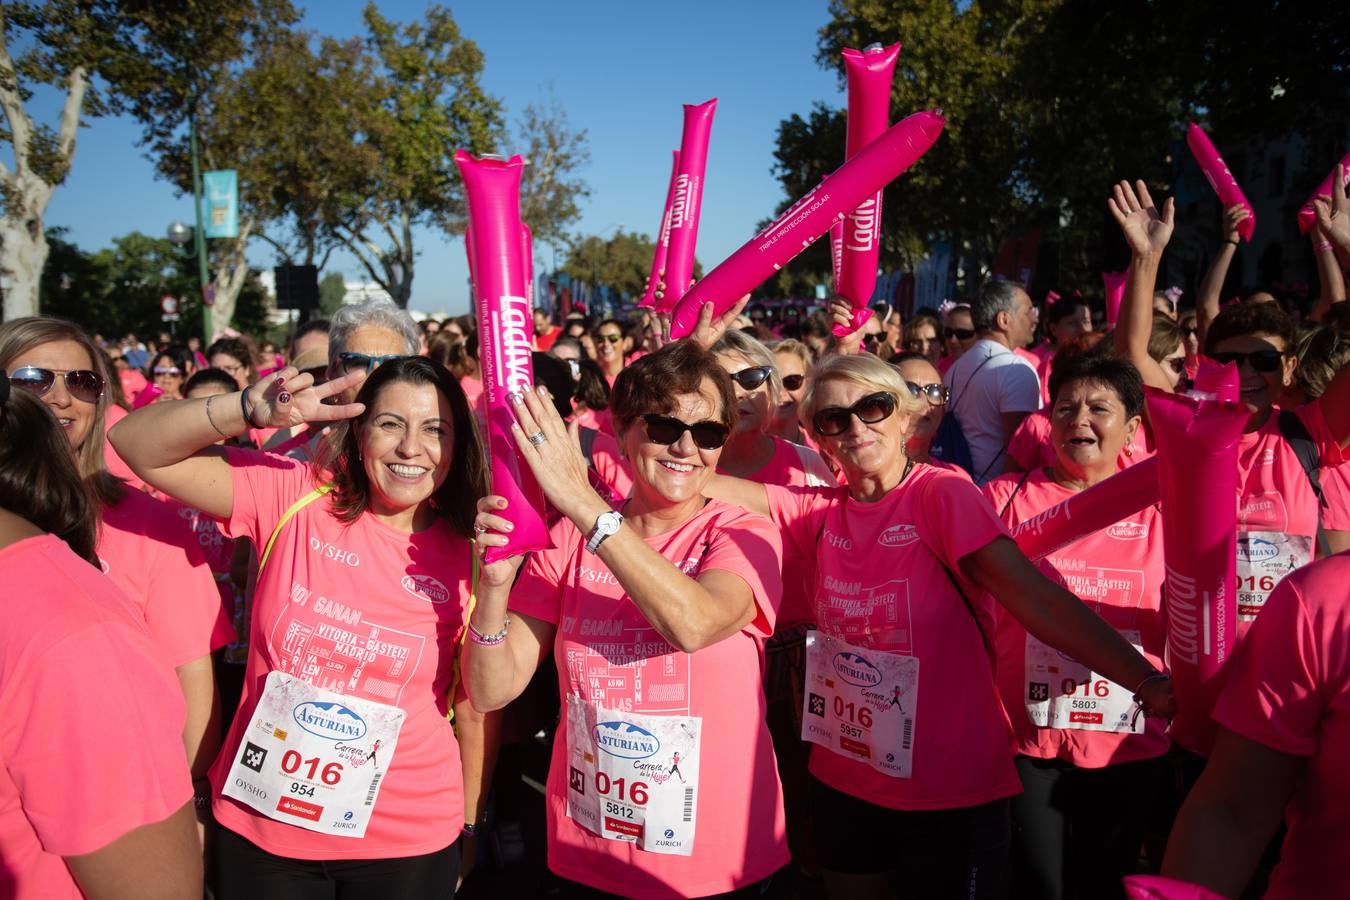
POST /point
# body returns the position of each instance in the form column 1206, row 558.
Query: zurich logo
column 626, row 740
column 329, row 720
column 1254, row 549
column 670, row 833
column 856, row 670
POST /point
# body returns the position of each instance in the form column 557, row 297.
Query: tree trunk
column 23, row 253
column 231, row 273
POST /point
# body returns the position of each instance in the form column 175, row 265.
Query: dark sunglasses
column 352, row 362
column 1177, row 364
column 935, row 394
column 835, row 420
column 1189, row 330
column 961, row 334
column 1261, row 360
column 793, row 382
column 752, row 378
column 668, row 430
column 81, row 383
column 612, row 338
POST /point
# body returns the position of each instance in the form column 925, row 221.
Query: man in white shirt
column 992, row 388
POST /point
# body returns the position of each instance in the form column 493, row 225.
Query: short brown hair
column 651, row 384
column 457, row 498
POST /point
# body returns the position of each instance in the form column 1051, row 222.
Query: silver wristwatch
column 605, row 525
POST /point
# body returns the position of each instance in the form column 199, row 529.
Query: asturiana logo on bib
column 626, row 740
column 855, row 670
column 1254, row 549
column 425, row 587
column 898, row 536
column 1127, row 531
column 329, row 720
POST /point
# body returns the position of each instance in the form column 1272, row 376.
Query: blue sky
column 621, row 70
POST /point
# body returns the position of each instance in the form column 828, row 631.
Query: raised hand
column 491, row 530
column 1146, row 231
column 1333, row 213
column 553, row 453
column 710, row 328
column 289, row 398
column 1232, row 217
column 841, row 313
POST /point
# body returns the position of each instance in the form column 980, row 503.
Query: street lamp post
column 200, row 233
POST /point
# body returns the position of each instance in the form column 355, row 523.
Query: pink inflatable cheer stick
column 836, row 251
column 1197, row 444
column 810, row 217
column 468, row 250
column 1306, row 217
column 869, row 75
column 527, row 259
column 686, row 201
column 663, row 238
column 1156, row 887
column 1222, row 180
column 1114, row 282
column 1215, row 382
column 505, row 335
column 1095, row 509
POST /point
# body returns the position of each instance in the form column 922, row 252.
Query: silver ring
column 479, row 529
column 537, row 438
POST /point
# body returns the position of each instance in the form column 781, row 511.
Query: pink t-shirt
column 600, row 420
column 1031, row 448
column 1118, row 572
column 610, row 467
column 793, row 465
column 94, row 749
column 1288, row 689
column 153, row 555
column 609, row 654
column 881, row 584
column 1043, row 355
column 1275, row 500
column 1336, row 492
column 333, row 593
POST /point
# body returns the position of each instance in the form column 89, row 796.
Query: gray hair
column 995, row 296
column 380, row 313
column 737, row 341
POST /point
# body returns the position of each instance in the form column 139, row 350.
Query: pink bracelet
column 1324, row 247
column 489, row 640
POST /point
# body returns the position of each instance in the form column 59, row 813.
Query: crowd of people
column 782, row 639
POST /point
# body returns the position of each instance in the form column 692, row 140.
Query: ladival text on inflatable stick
column 505, row 336
column 1222, row 180
column 836, row 251
column 1114, row 283
column 1197, row 443
column 806, row 220
column 1100, row 506
column 662, row 238
column 686, row 202
column 869, row 74
column 1306, row 217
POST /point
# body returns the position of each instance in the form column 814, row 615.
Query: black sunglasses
column 752, row 378
column 835, row 420
column 961, row 334
column 1260, row 360
column 669, row 430
column 1188, row 330
column 612, row 338
column 793, row 382
column 352, row 362
column 935, row 394
column 1177, row 364
column 81, row 383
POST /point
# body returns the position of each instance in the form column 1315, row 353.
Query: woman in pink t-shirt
column 793, row 360
column 144, row 547
column 662, row 781
column 341, row 767
column 78, row 676
column 1079, row 735
column 913, row 748
column 925, row 383
column 1281, row 750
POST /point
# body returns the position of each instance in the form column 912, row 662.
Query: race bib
column 313, row 758
column 861, row 703
column 1062, row 693
column 632, row 777
column 1263, row 559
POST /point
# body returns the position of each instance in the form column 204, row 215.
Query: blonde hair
column 793, row 347
column 20, row 335
column 865, row 369
column 759, row 355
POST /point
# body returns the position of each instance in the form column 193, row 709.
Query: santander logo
column 425, row 587
column 1128, row 531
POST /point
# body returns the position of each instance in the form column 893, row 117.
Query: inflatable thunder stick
column 662, row 239
column 869, row 75
column 505, row 330
column 1156, row 887
column 1306, row 217
column 686, row 200
column 1197, row 443
column 468, row 250
column 527, row 260
column 1114, row 283
column 1215, row 382
column 1222, row 180
column 1097, row 508
column 836, row 250
column 810, row 217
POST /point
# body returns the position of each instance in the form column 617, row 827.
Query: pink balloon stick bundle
column 687, row 201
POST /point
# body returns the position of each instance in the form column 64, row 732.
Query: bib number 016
column 292, row 762
column 637, row 790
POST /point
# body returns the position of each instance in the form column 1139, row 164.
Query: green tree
column 621, row 262
column 332, row 291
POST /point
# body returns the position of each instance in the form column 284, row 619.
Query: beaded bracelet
column 489, row 640
column 212, row 420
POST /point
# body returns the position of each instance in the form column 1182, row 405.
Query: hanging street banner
column 221, row 195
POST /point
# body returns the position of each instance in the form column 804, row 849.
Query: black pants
column 1078, row 832
column 784, row 683
column 245, row 871
column 942, row 853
